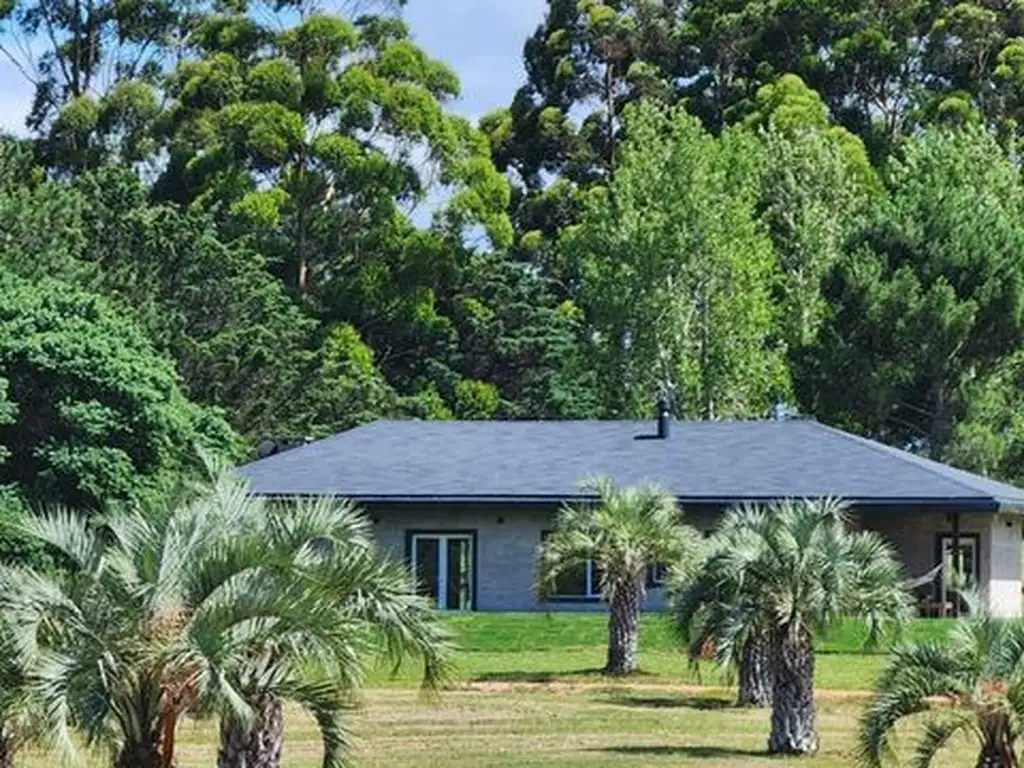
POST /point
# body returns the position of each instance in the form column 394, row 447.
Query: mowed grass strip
column 562, row 725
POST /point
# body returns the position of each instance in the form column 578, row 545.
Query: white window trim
column 593, row 590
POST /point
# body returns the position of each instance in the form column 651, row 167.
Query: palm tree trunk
column 757, row 675
column 793, row 726
column 992, row 757
column 623, row 630
column 997, row 750
column 140, row 755
column 258, row 744
column 7, row 750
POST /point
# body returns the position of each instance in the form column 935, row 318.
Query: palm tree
column 365, row 604
column 701, row 604
column 19, row 714
column 167, row 612
column 797, row 568
column 972, row 682
column 626, row 531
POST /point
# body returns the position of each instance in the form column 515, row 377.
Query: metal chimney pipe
column 664, row 418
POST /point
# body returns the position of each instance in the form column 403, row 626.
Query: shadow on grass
column 520, row 676
column 688, row 751
column 670, row 702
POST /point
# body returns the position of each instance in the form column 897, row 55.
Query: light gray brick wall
column 507, row 540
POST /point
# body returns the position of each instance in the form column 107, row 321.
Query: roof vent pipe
column 664, row 418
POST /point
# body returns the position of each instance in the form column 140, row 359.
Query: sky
column 481, row 39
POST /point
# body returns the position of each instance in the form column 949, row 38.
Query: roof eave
column 979, row 504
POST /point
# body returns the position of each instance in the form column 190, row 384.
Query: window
column 443, row 563
column 656, row 575
column 580, row 583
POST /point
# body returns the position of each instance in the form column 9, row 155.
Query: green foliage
column 98, row 415
column 239, row 342
column 940, row 260
column 475, row 400
column 244, row 120
column 208, row 605
column 677, row 275
column 623, row 532
column 976, row 674
column 989, row 437
column 811, row 199
column 348, row 389
column 837, row 220
column 794, row 566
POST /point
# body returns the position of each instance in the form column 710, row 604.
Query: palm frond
column 937, row 733
column 67, row 532
column 326, row 702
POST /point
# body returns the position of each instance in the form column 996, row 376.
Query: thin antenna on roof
column 780, row 411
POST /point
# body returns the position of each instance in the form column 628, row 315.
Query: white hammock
column 921, row 581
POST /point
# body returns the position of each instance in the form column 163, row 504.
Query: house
column 468, row 503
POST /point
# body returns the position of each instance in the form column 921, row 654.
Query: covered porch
column 944, row 548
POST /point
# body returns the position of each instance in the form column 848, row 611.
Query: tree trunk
column 7, row 750
column 996, row 756
column 140, row 755
column 257, row 745
column 623, row 630
column 757, row 675
column 793, row 727
column 997, row 749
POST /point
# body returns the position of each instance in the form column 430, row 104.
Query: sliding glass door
column 443, row 564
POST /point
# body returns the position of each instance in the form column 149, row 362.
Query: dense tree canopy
column 676, row 274
column 92, row 413
column 930, row 294
column 729, row 203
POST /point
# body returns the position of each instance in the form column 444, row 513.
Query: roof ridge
column 902, row 455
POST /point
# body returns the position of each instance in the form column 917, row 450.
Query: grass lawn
column 546, row 647
column 555, row 725
column 527, row 694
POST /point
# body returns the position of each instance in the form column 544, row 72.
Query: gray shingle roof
column 546, row 460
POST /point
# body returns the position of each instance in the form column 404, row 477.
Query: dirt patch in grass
column 568, row 687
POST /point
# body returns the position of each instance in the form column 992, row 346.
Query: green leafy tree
column 883, row 69
column 585, row 64
column 816, row 184
column 795, row 568
column 590, row 56
column 988, row 437
column 811, row 203
column 677, row 275
column 940, row 260
column 347, row 388
column 98, row 414
column 623, row 533
column 976, row 674
column 314, row 138
column 513, row 333
column 95, row 70
column 239, row 341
